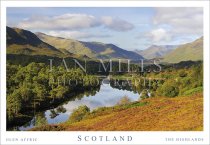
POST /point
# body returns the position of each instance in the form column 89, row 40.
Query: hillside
column 190, row 51
column 156, row 51
column 154, row 114
column 111, row 51
column 21, row 41
column 90, row 49
column 66, row 45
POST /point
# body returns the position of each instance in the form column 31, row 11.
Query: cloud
column 183, row 20
column 76, row 34
column 74, row 22
column 116, row 24
column 61, row 22
column 158, row 35
column 174, row 25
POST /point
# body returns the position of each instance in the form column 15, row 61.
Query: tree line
column 31, row 87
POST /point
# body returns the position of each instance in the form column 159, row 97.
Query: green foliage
column 40, row 91
column 58, row 92
column 144, row 94
column 172, row 81
column 14, row 105
column 168, row 89
column 182, row 73
column 193, row 91
column 40, row 119
column 33, row 86
column 79, row 113
column 106, row 110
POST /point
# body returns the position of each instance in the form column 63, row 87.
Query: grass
column 193, row 91
column 153, row 114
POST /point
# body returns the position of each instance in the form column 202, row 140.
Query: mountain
column 190, row 51
column 21, row 41
column 156, row 51
column 89, row 49
column 65, row 45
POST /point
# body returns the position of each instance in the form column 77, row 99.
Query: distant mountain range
column 89, row 49
column 156, row 51
column 190, row 51
column 175, row 53
column 21, row 41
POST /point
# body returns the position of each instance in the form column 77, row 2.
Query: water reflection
column 106, row 95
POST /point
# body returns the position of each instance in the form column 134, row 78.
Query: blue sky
column 128, row 28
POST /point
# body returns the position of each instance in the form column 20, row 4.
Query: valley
column 154, row 86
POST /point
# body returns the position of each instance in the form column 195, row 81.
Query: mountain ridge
column 156, row 51
column 20, row 41
column 190, row 51
column 90, row 49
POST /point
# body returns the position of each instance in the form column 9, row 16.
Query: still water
column 106, row 95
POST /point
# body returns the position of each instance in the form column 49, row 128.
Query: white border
column 139, row 137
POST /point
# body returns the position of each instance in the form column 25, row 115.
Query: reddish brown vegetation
column 161, row 114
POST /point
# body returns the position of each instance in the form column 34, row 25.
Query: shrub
column 182, row 73
column 193, row 91
column 144, row 94
column 124, row 100
column 168, row 89
column 79, row 113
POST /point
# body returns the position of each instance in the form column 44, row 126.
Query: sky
column 131, row 28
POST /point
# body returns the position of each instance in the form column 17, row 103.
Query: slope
column 90, row 49
column 190, row 51
column 156, row 51
column 21, row 41
column 154, row 114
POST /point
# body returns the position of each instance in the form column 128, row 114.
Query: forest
column 33, row 87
